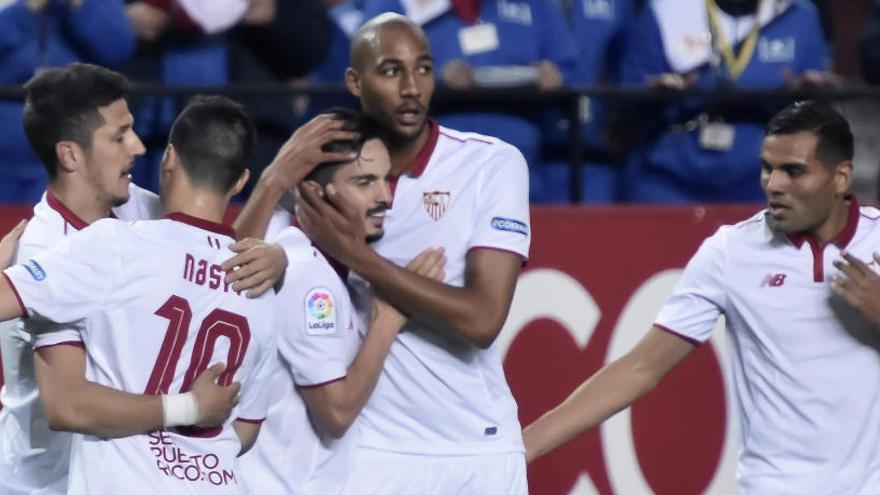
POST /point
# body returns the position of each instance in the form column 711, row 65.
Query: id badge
column 717, row 136
column 478, row 38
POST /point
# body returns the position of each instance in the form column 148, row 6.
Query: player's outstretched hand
column 859, row 285
column 302, row 151
column 256, row 268
column 429, row 263
column 335, row 226
column 214, row 401
column 9, row 244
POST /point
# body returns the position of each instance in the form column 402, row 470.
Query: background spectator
column 45, row 33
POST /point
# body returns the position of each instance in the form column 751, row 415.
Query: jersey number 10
column 218, row 323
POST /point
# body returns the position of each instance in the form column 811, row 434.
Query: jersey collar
column 201, row 223
column 418, row 164
column 66, row 213
column 844, row 236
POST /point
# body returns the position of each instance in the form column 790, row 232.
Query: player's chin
column 374, row 235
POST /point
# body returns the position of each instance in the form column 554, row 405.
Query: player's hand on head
column 9, row 244
column 301, row 153
column 257, row 267
column 430, row 263
column 332, row 223
column 214, row 401
column 858, row 285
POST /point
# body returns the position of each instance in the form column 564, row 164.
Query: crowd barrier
column 568, row 100
column 595, row 280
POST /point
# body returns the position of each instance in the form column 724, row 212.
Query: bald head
column 366, row 40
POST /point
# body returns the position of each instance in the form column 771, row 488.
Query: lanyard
column 735, row 63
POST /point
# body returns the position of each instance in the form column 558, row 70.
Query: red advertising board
column 593, row 284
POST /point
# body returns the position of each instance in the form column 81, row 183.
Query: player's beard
column 371, row 238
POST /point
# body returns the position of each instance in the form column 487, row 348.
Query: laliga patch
column 510, row 225
column 35, row 270
column 320, row 312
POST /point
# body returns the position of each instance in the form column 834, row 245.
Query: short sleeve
column 46, row 333
column 699, row 297
column 74, row 278
column 318, row 338
column 502, row 203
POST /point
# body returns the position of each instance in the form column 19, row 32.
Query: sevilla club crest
column 436, row 203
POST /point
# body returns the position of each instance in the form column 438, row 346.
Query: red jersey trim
column 417, row 166
column 66, row 213
column 328, row 382
column 844, row 236
column 24, row 311
column 72, row 343
column 690, row 340
column 464, row 140
column 251, row 421
column 202, row 224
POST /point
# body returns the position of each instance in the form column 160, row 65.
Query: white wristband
column 179, row 410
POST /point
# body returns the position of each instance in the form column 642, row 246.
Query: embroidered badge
column 436, row 203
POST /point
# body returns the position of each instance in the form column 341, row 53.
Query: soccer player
column 78, row 123
column 157, row 312
column 331, row 360
column 804, row 364
column 441, row 418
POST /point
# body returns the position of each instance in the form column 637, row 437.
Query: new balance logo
column 773, row 280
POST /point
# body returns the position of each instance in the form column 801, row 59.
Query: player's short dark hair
column 213, row 137
column 834, row 140
column 354, row 121
column 61, row 104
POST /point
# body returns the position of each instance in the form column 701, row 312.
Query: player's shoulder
column 490, row 151
column 142, row 204
column 869, row 219
column 297, row 246
column 749, row 230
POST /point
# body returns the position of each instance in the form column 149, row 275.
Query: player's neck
column 835, row 223
column 195, row 202
column 81, row 202
column 402, row 154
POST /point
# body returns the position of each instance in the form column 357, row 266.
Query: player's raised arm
column 73, row 403
column 610, row 390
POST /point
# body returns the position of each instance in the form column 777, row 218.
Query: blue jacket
column 792, row 41
column 528, row 31
column 96, row 32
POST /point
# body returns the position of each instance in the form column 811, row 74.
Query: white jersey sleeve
column 69, row 281
column 502, row 217
column 319, row 333
column 700, row 295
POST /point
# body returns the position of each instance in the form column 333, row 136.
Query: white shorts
column 376, row 472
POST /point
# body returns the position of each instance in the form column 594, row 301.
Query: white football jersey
column 154, row 312
column 804, row 365
column 319, row 339
column 33, row 457
column 439, row 394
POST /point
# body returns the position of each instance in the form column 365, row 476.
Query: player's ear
column 240, row 183
column 353, row 82
column 843, row 177
column 70, row 156
column 169, row 158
